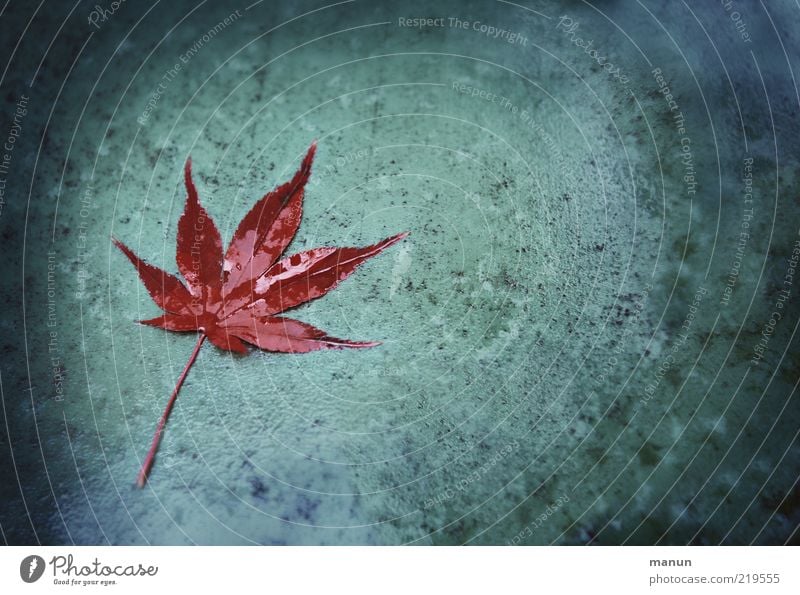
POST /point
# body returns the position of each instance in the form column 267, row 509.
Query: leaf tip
column 187, row 176
column 312, row 150
column 394, row 239
column 366, row 344
column 123, row 248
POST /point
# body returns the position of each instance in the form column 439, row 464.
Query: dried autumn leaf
column 233, row 299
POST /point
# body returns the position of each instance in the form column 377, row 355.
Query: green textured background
column 554, row 255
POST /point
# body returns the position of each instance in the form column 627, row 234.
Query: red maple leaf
column 235, row 298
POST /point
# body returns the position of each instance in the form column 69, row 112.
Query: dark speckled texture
column 559, row 361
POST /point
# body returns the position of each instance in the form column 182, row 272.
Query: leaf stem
column 151, row 455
